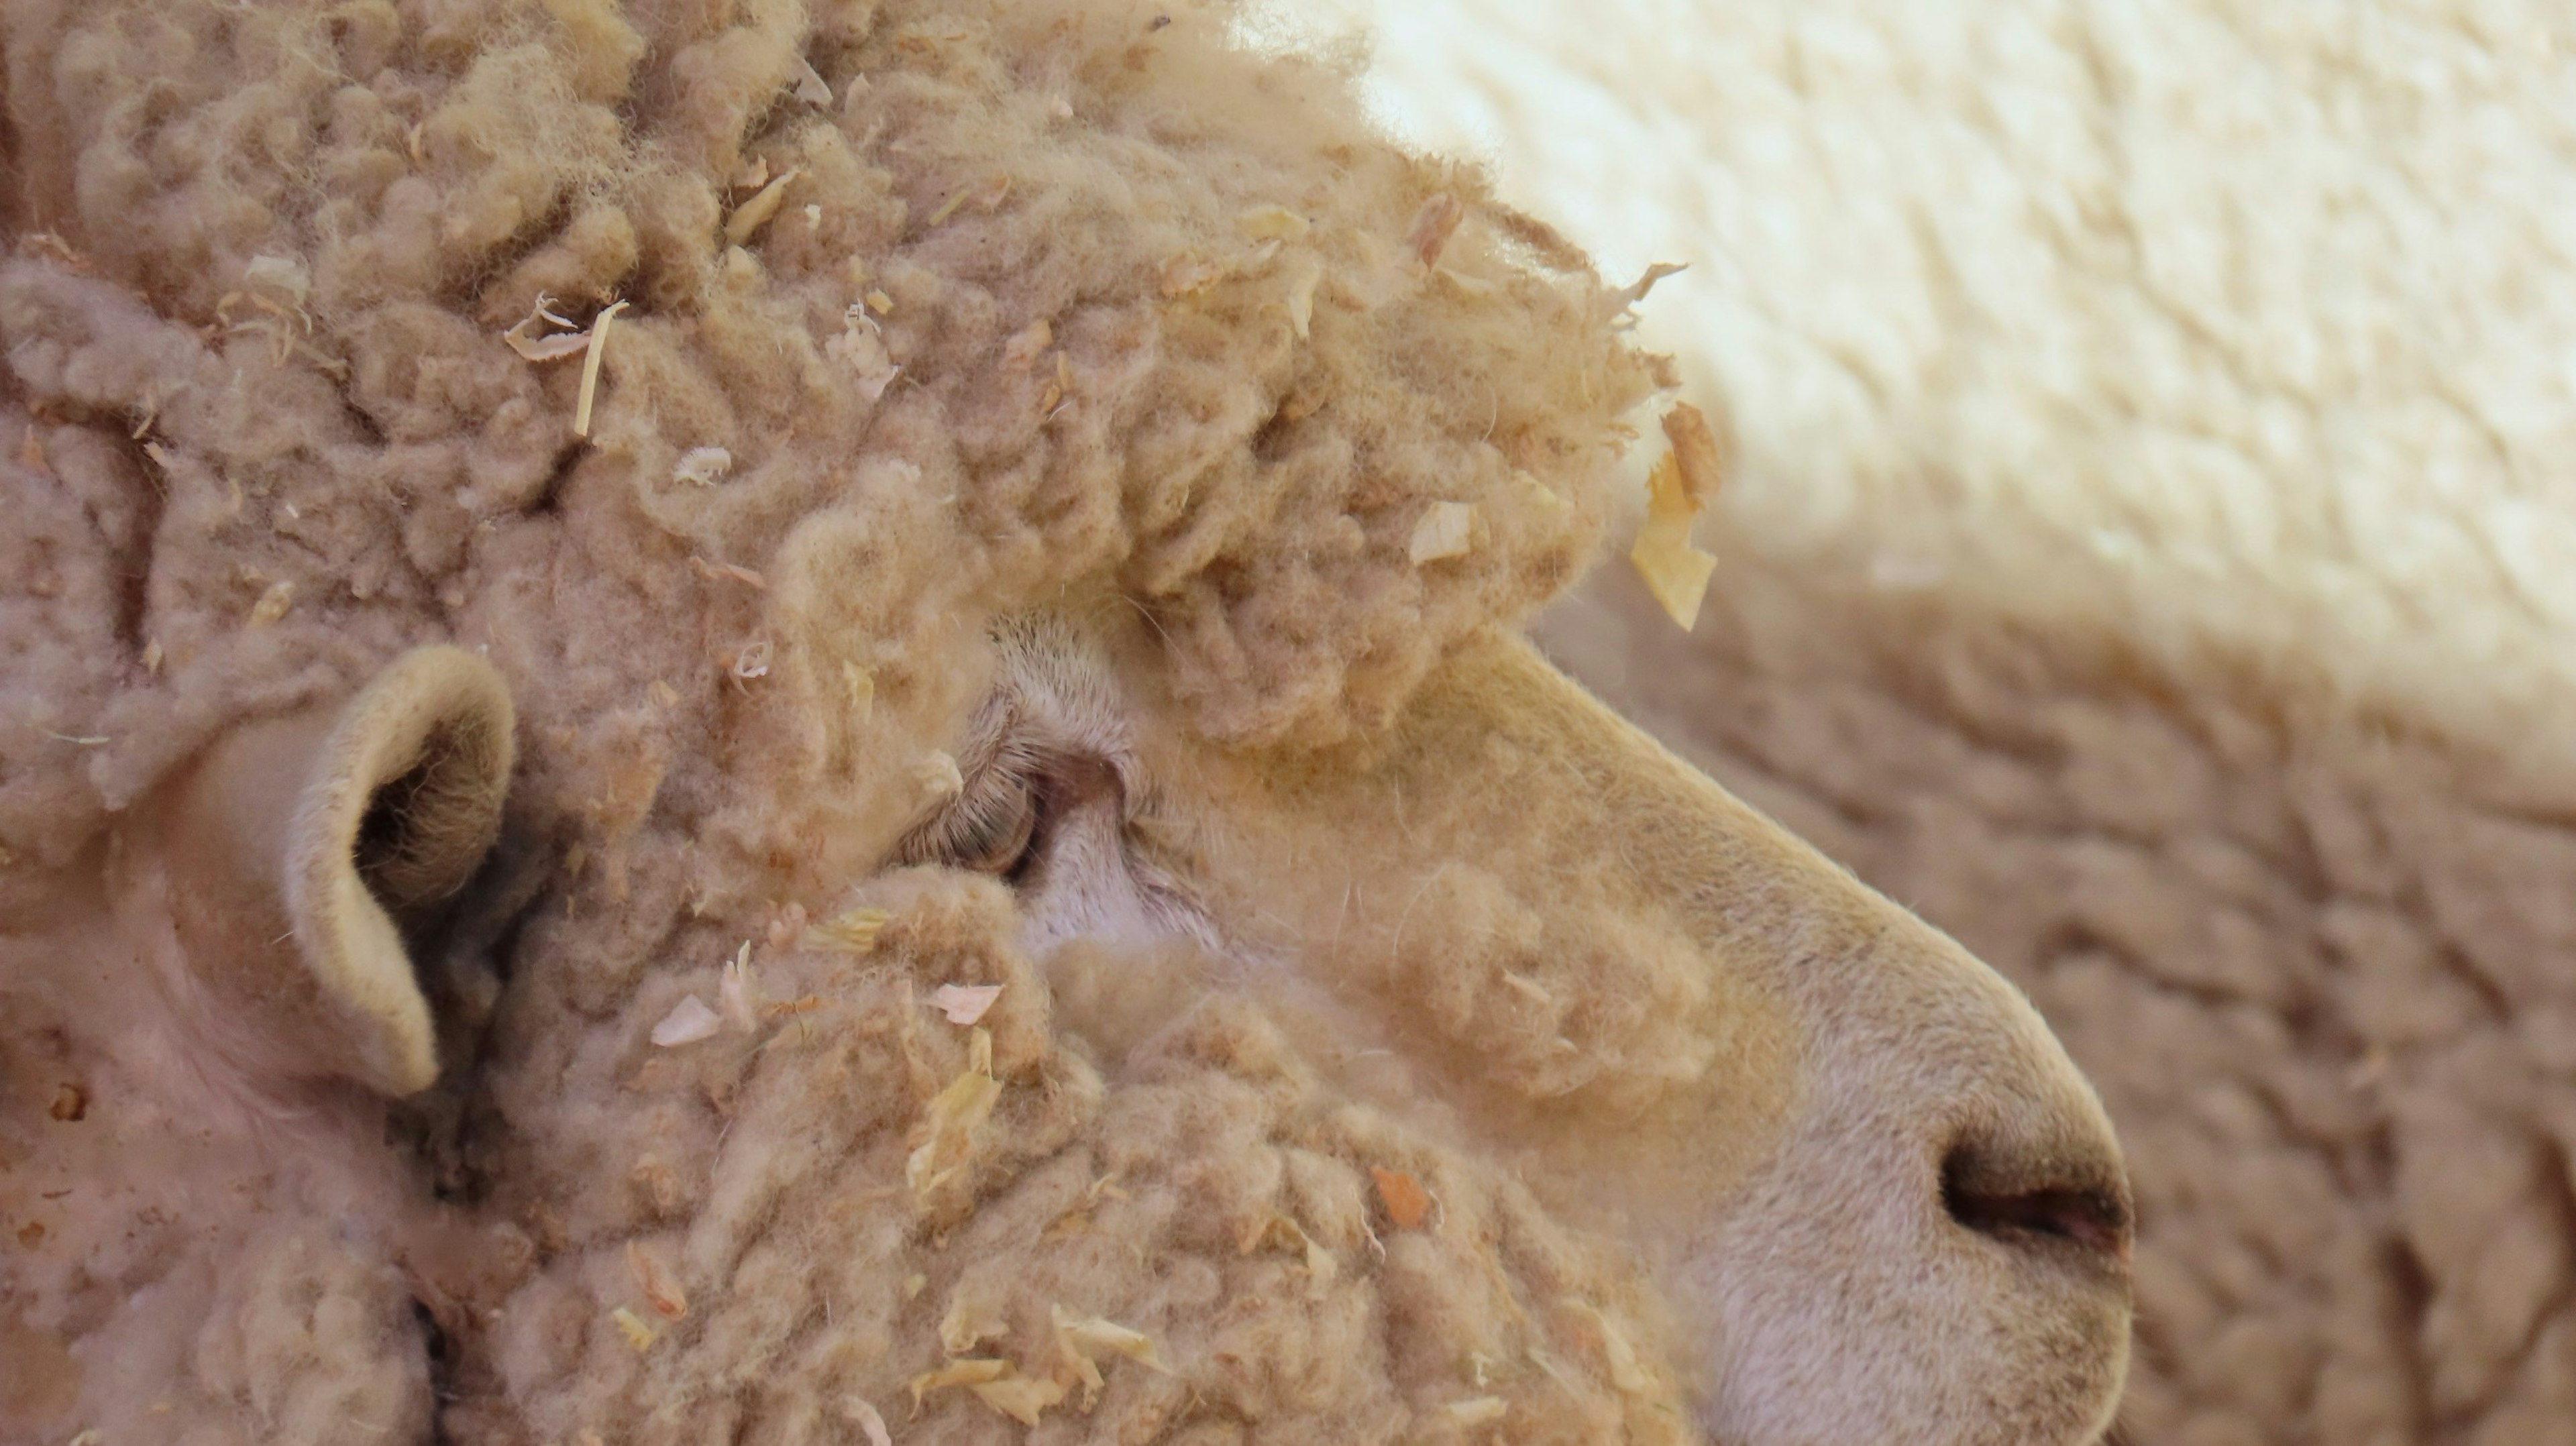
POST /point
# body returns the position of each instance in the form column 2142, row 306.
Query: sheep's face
column 1358, row 1034
column 1883, row 1202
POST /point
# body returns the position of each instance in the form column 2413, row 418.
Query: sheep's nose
column 2024, row 1164
column 2039, row 1200
column 1946, row 1239
column 2004, row 1149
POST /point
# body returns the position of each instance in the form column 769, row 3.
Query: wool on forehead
column 930, row 313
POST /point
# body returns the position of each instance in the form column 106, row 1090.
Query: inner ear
column 403, row 802
column 424, row 830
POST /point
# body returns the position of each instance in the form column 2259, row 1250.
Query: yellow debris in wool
column 1020, row 1397
column 853, row 931
column 1079, row 1339
column 273, row 604
column 936, row 772
column 971, row 1321
column 1443, row 531
column 1475, row 1410
column 1301, row 296
column 1028, row 344
column 632, row 1326
column 1683, row 482
column 949, row 1125
column 1188, row 273
column 1540, row 493
column 751, row 215
column 1049, row 401
column 973, row 1371
column 1272, row 223
column 996, row 1382
column 590, row 367
column 1321, row 1267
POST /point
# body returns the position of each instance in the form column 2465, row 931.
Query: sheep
column 2136, row 558
column 790, row 723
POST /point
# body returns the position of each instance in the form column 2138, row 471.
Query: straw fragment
column 590, row 367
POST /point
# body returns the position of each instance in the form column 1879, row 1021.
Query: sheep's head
column 1035, row 879
column 1883, row 1203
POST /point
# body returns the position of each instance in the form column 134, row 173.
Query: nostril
column 2086, row 1217
column 2094, row 1217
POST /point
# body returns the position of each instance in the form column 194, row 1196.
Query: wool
column 766, row 1171
column 332, row 216
column 1043, row 305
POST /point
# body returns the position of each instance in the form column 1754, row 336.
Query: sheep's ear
column 345, row 826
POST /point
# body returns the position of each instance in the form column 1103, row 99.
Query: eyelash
column 1003, row 821
column 993, row 828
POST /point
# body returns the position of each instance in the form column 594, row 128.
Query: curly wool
column 760, row 1233
column 1054, row 306
column 1049, row 303
column 766, row 1186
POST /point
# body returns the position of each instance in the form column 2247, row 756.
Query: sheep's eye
column 991, row 828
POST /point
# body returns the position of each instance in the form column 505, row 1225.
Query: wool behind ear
column 329, row 831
